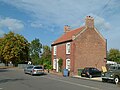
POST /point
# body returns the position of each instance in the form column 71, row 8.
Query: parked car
column 90, row 72
column 113, row 74
column 34, row 70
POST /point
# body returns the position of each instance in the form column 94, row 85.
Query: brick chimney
column 89, row 22
column 66, row 28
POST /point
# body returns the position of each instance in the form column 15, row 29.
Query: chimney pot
column 66, row 28
column 89, row 23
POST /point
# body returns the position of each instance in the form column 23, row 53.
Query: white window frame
column 55, row 64
column 68, row 64
column 68, row 48
column 54, row 50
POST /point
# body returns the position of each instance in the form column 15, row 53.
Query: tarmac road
column 15, row 79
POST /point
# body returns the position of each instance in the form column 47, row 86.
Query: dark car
column 34, row 70
column 90, row 72
column 113, row 74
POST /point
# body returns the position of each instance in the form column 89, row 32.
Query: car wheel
column 116, row 80
column 81, row 75
column 25, row 72
column 31, row 74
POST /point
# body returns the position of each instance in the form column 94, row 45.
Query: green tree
column 35, row 50
column 46, row 57
column 114, row 55
column 14, row 47
column 1, row 44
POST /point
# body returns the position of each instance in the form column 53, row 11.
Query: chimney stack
column 66, row 28
column 89, row 22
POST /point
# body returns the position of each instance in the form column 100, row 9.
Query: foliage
column 14, row 47
column 35, row 50
column 1, row 45
column 114, row 55
column 46, row 57
column 60, row 63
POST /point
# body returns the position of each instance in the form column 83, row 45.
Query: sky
column 45, row 19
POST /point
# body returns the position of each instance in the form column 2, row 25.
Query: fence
column 2, row 64
column 22, row 66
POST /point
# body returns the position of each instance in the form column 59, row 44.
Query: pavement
column 94, row 78
column 55, row 73
column 3, row 67
column 76, row 76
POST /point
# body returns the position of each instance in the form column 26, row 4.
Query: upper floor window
column 68, row 48
column 54, row 50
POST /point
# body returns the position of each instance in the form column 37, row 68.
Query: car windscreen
column 29, row 67
column 112, row 68
column 38, row 67
column 94, row 69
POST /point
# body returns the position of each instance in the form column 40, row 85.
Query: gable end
column 100, row 34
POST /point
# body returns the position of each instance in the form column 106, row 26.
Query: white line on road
column 90, row 87
column 1, row 88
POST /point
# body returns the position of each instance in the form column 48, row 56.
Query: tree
column 46, row 57
column 114, row 55
column 1, row 57
column 35, row 50
column 14, row 47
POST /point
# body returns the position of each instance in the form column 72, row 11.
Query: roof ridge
column 76, row 29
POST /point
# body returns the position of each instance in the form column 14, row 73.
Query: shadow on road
column 111, row 82
column 3, row 70
column 39, row 74
column 9, row 80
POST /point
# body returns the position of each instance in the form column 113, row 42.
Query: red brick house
column 79, row 48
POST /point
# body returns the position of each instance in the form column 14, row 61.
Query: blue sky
column 45, row 19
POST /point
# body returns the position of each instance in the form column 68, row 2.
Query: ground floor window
column 55, row 64
column 68, row 64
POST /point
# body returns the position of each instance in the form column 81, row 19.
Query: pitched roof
column 68, row 35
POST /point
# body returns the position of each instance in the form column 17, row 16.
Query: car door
column 86, row 72
column 92, row 71
column 119, row 71
column 29, row 69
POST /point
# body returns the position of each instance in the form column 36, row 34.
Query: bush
column 60, row 62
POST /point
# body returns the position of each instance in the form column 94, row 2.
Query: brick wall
column 90, row 50
column 61, row 53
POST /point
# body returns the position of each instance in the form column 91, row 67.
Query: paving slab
column 95, row 78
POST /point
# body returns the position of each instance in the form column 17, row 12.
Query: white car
column 34, row 70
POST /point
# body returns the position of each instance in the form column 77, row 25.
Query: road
column 15, row 79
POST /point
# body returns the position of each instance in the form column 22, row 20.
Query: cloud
column 101, row 23
column 11, row 24
column 63, row 12
column 60, row 12
column 36, row 25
